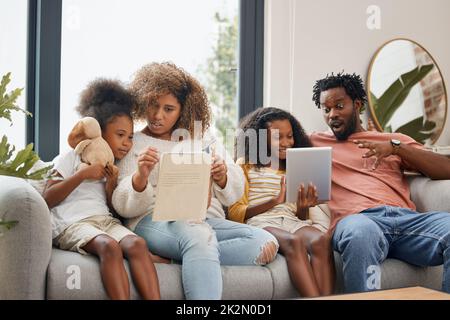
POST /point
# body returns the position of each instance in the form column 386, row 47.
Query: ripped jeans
column 203, row 247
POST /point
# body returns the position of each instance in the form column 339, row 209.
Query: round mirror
column 406, row 91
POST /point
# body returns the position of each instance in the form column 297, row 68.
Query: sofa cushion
column 246, row 282
column 240, row 282
column 430, row 195
column 398, row 274
column 66, row 268
column 25, row 249
column 282, row 285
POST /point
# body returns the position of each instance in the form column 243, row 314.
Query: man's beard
column 351, row 127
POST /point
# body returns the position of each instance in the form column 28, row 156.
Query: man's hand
column 378, row 150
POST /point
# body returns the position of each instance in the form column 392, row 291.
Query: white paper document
column 183, row 186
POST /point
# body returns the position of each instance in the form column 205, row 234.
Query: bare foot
column 158, row 259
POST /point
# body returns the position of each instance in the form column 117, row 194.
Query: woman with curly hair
column 172, row 101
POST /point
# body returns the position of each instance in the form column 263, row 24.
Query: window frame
column 44, row 69
column 44, row 76
column 251, row 56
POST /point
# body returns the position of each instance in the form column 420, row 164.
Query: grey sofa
column 31, row 269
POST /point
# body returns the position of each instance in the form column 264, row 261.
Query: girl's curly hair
column 158, row 79
column 259, row 119
column 104, row 99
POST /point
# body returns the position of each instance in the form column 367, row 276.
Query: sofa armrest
column 430, row 195
column 25, row 249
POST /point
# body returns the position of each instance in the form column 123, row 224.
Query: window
column 13, row 58
column 104, row 38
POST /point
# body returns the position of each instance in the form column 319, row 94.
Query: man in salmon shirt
column 372, row 216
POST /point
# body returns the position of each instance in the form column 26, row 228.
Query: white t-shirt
column 87, row 200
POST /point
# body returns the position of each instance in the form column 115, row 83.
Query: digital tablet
column 305, row 165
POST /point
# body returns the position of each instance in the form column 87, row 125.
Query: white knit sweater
column 133, row 205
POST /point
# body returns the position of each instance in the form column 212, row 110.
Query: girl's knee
column 109, row 248
column 321, row 246
column 293, row 246
column 134, row 246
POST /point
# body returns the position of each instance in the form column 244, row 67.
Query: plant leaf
column 397, row 92
column 5, row 150
column 8, row 100
column 21, row 164
column 417, row 129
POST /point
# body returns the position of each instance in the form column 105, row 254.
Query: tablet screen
column 305, row 165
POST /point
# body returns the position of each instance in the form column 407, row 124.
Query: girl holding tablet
column 264, row 202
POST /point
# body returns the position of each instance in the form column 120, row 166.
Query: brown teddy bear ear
column 86, row 128
column 76, row 135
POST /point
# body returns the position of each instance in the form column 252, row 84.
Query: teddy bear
column 86, row 138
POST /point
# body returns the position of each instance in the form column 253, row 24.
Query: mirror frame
column 368, row 82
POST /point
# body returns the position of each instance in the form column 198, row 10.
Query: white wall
column 305, row 40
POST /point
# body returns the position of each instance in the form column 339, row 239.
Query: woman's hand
column 281, row 198
column 146, row 163
column 219, row 171
column 306, row 198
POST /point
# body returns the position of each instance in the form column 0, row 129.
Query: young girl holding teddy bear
column 81, row 219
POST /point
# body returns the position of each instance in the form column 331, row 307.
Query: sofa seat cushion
column 398, row 274
column 71, row 275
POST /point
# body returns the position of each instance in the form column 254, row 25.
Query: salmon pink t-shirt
column 355, row 186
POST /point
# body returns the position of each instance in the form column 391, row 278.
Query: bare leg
column 318, row 245
column 113, row 272
column 300, row 271
column 142, row 268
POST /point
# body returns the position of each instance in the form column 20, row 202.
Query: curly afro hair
column 259, row 119
column 352, row 83
column 158, row 79
column 104, row 99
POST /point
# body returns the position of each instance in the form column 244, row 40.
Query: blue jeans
column 202, row 248
column 365, row 240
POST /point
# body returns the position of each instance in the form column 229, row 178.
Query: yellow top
column 261, row 185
